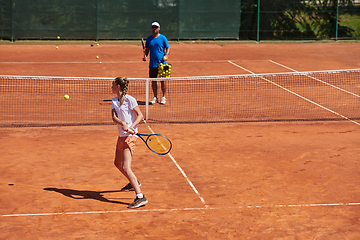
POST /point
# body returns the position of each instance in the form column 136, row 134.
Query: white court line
column 111, row 62
column 183, row 173
column 93, row 62
column 183, row 209
column 281, row 65
column 298, row 95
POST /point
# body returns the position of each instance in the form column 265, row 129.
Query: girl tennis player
column 126, row 114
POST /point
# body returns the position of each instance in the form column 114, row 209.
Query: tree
column 291, row 19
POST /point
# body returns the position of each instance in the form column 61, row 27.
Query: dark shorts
column 153, row 72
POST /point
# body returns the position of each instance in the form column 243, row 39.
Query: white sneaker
column 163, row 100
column 154, row 100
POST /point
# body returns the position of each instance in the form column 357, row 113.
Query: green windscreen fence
column 180, row 19
column 131, row 19
column 209, row 19
column 118, row 19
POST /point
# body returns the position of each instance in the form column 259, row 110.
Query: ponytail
column 123, row 82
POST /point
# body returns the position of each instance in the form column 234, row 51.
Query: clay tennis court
column 249, row 180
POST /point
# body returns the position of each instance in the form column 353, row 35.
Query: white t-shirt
column 125, row 113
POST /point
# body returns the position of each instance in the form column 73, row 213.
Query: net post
column 147, row 99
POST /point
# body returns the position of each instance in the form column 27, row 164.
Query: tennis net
column 299, row 96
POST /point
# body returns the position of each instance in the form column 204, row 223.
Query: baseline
column 184, row 209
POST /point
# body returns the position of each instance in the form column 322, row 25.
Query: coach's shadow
column 76, row 194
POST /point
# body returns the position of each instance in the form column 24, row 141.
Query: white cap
column 155, row 24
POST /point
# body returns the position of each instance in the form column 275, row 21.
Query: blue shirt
column 157, row 47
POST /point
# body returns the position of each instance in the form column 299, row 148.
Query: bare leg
column 154, row 88
column 127, row 159
column 123, row 163
column 163, row 88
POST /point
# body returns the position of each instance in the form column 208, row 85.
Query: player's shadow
column 76, row 194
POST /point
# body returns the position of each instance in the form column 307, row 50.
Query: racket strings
column 159, row 144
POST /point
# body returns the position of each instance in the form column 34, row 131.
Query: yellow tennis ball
column 97, row 44
column 66, row 97
column 58, row 37
column 97, row 57
column 164, row 58
column 57, row 47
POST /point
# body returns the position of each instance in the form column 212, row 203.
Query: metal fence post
column 178, row 32
column 96, row 21
column 11, row 22
column 337, row 20
column 239, row 21
column 258, row 23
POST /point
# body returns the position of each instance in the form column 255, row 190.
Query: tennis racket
column 143, row 44
column 157, row 143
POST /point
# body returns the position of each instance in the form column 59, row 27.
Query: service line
column 331, row 85
column 298, row 95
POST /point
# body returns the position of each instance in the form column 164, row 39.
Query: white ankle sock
column 139, row 195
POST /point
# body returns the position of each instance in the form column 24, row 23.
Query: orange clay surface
column 290, row 180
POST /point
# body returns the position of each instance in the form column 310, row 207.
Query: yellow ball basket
column 164, row 70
